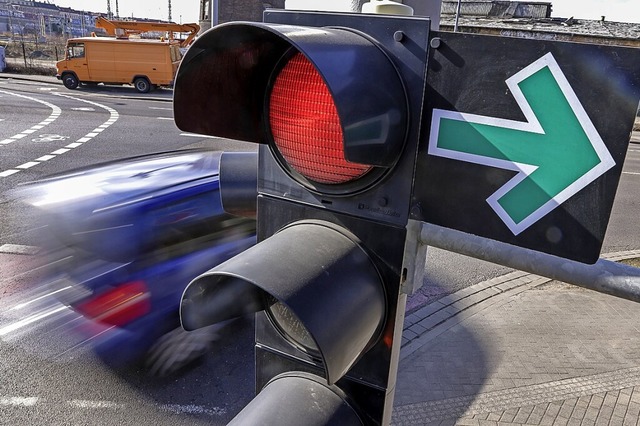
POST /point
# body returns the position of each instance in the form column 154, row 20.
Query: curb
column 57, row 83
column 434, row 319
column 29, row 77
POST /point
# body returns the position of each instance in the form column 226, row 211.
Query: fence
column 31, row 56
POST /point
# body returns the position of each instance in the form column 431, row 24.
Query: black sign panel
column 523, row 140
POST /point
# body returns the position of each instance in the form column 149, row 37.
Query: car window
column 186, row 226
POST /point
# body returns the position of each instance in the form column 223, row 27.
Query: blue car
column 127, row 238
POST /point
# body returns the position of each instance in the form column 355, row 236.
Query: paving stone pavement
column 521, row 350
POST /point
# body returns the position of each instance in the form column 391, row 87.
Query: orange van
column 142, row 62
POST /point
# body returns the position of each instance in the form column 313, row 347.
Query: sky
column 186, row 11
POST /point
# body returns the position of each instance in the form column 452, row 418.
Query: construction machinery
column 124, row 29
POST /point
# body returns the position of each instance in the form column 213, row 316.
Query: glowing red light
column 306, row 127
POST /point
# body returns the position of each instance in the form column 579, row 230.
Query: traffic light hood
column 285, row 401
column 301, row 274
column 223, row 85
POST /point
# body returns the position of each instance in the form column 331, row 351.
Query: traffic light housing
column 335, row 102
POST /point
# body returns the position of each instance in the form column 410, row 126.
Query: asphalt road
column 48, row 375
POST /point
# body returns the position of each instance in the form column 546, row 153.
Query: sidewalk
column 49, row 79
column 521, row 349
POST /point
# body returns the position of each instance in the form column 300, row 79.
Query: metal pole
column 458, row 7
column 10, row 11
column 214, row 4
column 604, row 276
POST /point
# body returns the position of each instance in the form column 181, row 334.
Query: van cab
column 142, row 62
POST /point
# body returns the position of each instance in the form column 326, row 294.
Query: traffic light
column 334, row 102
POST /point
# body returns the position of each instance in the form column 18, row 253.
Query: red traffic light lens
column 306, row 127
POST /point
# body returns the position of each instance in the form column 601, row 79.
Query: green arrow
column 556, row 152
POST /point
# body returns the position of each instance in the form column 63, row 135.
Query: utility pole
column 117, row 11
column 10, row 12
column 109, row 14
column 170, row 11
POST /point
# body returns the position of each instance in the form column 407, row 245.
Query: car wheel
column 70, row 81
column 142, row 85
column 178, row 348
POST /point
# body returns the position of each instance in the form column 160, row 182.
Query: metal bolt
column 398, row 36
column 435, row 42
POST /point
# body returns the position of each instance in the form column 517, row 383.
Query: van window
column 75, row 50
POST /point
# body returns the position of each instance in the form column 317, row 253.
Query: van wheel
column 70, row 81
column 142, row 85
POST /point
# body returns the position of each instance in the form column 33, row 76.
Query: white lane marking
column 162, row 108
column 195, row 135
column 27, row 165
column 8, row 172
column 113, row 117
column 192, row 409
column 18, row 401
column 49, row 137
column 29, row 320
column 25, row 304
column 164, row 118
column 631, row 173
column 87, row 404
column 18, row 249
column 55, row 113
column 81, row 403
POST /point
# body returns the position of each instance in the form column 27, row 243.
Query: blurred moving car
column 129, row 236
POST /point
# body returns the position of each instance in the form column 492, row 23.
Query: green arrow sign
column 556, row 152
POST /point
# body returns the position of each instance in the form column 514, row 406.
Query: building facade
column 42, row 19
column 39, row 19
column 533, row 20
